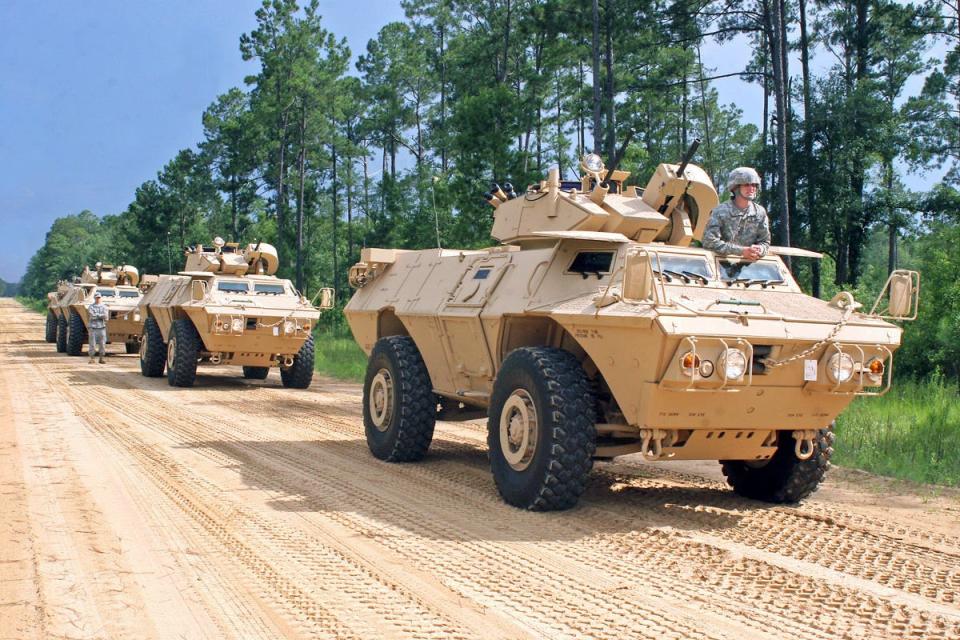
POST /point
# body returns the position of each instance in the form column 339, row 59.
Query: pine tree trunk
column 597, row 132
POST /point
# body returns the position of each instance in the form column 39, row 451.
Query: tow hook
column 805, row 444
column 652, row 443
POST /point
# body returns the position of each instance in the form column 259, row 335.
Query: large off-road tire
column 257, row 373
column 153, row 352
column 132, row 346
column 541, row 429
column 183, row 353
column 76, row 335
column 784, row 478
column 399, row 406
column 300, row 373
column 51, row 333
column 61, row 335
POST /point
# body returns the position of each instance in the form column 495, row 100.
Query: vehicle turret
column 229, row 259
column 673, row 208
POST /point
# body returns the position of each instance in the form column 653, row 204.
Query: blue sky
column 96, row 96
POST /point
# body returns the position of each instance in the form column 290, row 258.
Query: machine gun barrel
column 688, row 156
column 619, row 157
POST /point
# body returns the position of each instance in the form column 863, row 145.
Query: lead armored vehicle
column 597, row 328
column 118, row 288
column 227, row 307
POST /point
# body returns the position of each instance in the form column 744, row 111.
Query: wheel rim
column 381, row 400
column 519, row 427
column 172, row 353
column 143, row 349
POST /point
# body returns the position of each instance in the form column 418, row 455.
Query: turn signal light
column 876, row 367
column 689, row 362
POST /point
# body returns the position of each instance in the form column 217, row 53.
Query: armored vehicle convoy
column 118, row 288
column 228, row 307
column 598, row 329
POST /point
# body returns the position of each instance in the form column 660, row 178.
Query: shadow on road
column 451, row 494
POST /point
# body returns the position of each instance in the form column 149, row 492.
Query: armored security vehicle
column 53, row 310
column 597, row 328
column 118, row 288
column 228, row 307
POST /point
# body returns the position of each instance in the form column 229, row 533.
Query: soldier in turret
column 739, row 226
column 97, row 313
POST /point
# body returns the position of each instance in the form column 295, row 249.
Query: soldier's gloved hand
column 753, row 252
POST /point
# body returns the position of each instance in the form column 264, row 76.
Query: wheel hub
column 519, row 428
column 172, row 352
column 381, row 399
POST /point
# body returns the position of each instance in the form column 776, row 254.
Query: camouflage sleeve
column 713, row 236
column 763, row 233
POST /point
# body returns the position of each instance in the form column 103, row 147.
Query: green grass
column 34, row 304
column 338, row 356
column 912, row 433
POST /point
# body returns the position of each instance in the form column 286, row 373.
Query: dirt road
column 129, row 509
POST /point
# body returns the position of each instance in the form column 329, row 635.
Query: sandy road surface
column 130, row 509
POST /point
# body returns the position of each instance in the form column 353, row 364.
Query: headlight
column 734, row 364
column 593, row 162
column 237, row 325
column 689, row 362
column 288, row 327
column 136, row 317
column 840, row 367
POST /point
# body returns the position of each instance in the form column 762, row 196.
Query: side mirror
column 638, row 276
column 198, row 290
column 326, row 298
column 902, row 291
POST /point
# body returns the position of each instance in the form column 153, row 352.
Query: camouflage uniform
column 97, row 312
column 730, row 229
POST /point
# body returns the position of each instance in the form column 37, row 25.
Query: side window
column 591, row 263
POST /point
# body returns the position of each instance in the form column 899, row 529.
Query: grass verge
column 913, row 433
column 34, row 304
column 338, row 356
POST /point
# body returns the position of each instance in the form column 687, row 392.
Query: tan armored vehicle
column 118, row 288
column 598, row 329
column 53, row 311
column 227, row 307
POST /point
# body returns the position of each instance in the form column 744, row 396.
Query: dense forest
column 321, row 158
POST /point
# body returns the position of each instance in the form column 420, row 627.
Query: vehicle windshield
column 743, row 271
column 268, row 288
column 129, row 294
column 107, row 293
column 686, row 268
column 232, row 286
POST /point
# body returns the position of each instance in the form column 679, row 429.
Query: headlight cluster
column 840, row 367
column 732, row 363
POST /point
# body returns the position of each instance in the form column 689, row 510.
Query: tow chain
column 773, row 364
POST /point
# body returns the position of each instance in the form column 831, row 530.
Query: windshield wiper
column 732, row 281
column 677, row 275
column 665, row 275
column 763, row 282
column 696, row 276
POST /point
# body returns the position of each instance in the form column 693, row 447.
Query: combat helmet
column 743, row 175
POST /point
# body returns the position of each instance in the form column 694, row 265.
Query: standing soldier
column 97, row 313
column 739, row 226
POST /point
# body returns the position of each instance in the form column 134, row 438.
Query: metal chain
column 773, row 364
